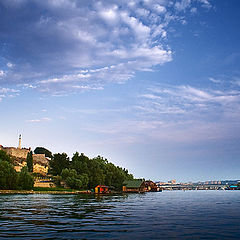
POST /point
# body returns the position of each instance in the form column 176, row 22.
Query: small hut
column 101, row 189
column 136, row 185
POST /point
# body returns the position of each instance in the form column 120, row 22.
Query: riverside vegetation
column 78, row 173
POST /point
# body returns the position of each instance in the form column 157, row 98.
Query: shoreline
column 42, row 192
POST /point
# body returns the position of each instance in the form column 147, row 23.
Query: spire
column 20, row 141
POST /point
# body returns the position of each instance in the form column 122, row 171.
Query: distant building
column 172, row 181
column 151, row 186
column 160, row 183
column 136, row 185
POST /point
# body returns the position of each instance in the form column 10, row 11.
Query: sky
column 151, row 85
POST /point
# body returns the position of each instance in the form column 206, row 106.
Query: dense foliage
column 9, row 178
column 30, row 161
column 58, row 163
column 25, row 180
column 42, row 150
column 82, row 172
column 5, row 157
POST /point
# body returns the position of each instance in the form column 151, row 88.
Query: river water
column 162, row 215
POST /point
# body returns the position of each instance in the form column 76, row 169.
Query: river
column 161, row 215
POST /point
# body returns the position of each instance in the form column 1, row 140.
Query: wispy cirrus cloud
column 188, row 113
column 44, row 119
column 60, row 48
column 8, row 93
column 214, row 80
column 188, row 99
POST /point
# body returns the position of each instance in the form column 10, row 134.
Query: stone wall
column 48, row 184
column 16, row 152
column 40, row 158
column 40, row 162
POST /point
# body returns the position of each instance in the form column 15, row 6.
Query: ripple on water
column 173, row 214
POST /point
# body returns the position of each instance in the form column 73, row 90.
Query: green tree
column 83, row 172
column 58, row 163
column 8, row 176
column 73, row 179
column 96, row 169
column 42, row 150
column 5, row 157
column 30, row 161
column 25, row 180
column 80, row 163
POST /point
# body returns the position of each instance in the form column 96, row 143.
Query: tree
column 73, row 179
column 58, row 163
column 80, row 163
column 42, row 150
column 96, row 175
column 5, row 157
column 83, row 172
column 25, row 180
column 8, row 176
column 30, row 161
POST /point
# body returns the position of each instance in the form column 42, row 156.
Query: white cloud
column 193, row 10
column 8, row 90
column 10, row 65
column 182, row 5
column 205, row 3
column 45, row 119
column 2, row 73
column 214, row 80
column 33, row 120
column 67, row 46
column 159, row 8
column 189, row 114
column 190, row 101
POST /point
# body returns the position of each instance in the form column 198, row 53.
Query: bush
column 74, row 180
column 5, row 157
column 25, row 180
column 8, row 176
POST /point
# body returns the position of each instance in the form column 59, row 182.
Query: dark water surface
column 165, row 215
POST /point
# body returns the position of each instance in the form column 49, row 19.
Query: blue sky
column 152, row 85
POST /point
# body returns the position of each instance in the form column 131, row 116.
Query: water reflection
column 143, row 216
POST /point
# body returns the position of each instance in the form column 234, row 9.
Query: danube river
column 163, row 215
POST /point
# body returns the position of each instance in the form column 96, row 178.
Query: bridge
column 193, row 186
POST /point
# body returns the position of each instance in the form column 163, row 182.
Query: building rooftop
column 136, row 183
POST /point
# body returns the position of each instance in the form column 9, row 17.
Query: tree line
column 81, row 172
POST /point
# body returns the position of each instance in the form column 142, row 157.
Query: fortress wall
column 44, row 184
column 40, row 158
column 40, row 162
column 16, row 152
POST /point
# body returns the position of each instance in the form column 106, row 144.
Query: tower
column 20, row 141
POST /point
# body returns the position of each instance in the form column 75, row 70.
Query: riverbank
column 42, row 192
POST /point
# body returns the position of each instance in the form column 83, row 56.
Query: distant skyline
column 151, row 85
